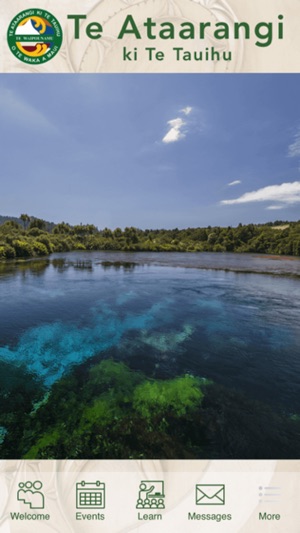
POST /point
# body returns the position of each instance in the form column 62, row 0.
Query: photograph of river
column 122, row 342
column 166, row 315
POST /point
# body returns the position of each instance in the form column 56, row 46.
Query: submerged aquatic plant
column 109, row 411
column 111, row 414
column 177, row 396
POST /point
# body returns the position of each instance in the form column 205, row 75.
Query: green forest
column 27, row 236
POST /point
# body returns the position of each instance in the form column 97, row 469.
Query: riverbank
column 37, row 238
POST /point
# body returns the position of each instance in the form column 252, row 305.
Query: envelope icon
column 210, row 494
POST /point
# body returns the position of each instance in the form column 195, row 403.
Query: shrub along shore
column 33, row 237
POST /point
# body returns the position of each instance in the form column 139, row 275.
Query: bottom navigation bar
column 156, row 495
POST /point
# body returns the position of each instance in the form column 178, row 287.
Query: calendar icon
column 90, row 495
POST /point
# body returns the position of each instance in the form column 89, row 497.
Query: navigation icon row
column 91, row 495
column 150, row 494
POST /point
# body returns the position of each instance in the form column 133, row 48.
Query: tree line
column 32, row 237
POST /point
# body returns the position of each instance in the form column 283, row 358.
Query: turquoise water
column 160, row 313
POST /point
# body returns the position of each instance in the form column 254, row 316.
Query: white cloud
column 273, row 207
column 235, row 182
column 174, row 134
column 285, row 193
column 186, row 110
column 294, row 148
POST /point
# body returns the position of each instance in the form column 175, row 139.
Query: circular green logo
column 34, row 36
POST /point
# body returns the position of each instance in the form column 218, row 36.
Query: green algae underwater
column 109, row 411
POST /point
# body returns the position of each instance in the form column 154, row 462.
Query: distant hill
column 3, row 219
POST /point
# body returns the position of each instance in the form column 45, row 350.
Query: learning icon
column 30, row 493
column 151, row 495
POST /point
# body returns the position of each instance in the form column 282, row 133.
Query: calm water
column 163, row 313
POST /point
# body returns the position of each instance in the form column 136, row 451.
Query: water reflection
column 60, row 264
column 117, row 265
column 83, row 265
column 33, row 267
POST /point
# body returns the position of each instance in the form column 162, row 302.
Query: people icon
column 30, row 493
column 151, row 495
column 160, row 504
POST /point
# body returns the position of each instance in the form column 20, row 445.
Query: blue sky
column 151, row 151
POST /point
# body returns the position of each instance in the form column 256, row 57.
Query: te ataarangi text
column 263, row 32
